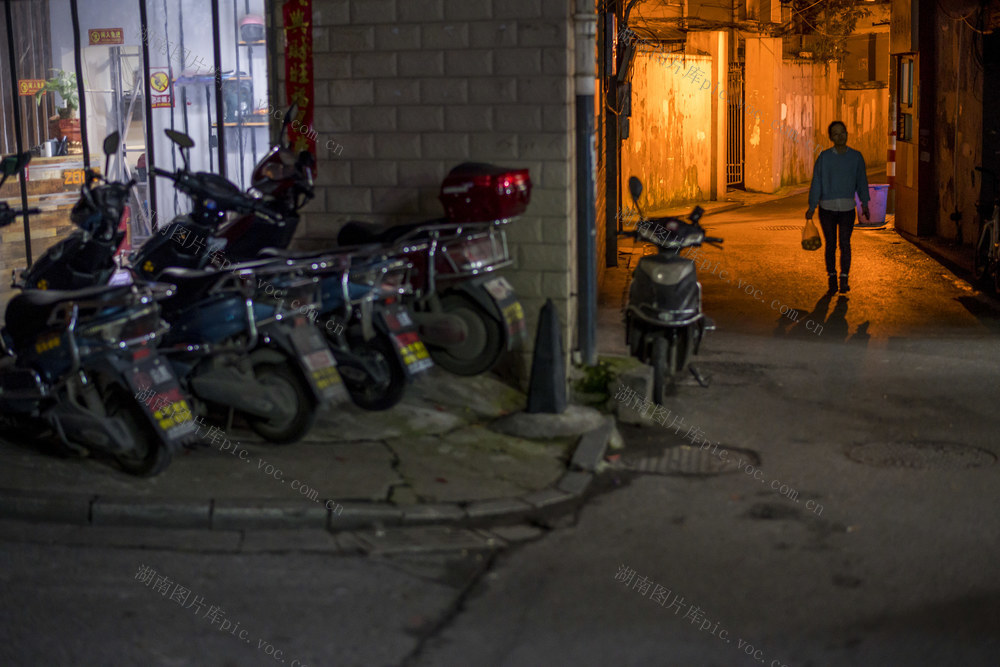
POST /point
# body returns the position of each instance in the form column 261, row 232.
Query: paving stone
column 547, row 498
column 638, row 388
column 162, row 512
column 359, row 515
column 236, row 514
column 133, row 537
column 18, row 504
column 496, row 508
column 517, row 533
column 417, row 539
column 432, row 513
column 590, row 451
column 575, row 482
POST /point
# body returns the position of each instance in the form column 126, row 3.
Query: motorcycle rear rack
column 444, row 236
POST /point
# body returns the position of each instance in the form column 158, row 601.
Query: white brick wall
column 410, row 88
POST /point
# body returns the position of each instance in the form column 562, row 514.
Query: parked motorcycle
column 466, row 316
column 664, row 323
column 86, row 257
column 225, row 360
column 269, row 371
column 77, row 362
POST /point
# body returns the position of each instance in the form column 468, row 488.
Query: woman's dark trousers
column 837, row 225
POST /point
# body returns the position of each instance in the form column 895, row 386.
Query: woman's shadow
column 822, row 322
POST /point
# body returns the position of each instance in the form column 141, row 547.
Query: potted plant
column 66, row 124
column 63, row 83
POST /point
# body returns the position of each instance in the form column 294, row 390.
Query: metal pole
column 147, row 108
column 219, row 111
column 78, row 63
column 586, row 224
column 611, row 146
column 18, row 139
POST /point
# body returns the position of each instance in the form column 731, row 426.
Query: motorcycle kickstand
column 703, row 380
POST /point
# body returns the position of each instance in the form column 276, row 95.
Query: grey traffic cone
column 547, row 388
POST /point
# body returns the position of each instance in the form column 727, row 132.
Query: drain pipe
column 585, row 22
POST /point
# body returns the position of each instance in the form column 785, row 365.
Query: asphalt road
column 863, row 533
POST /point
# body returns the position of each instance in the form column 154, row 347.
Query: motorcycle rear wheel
column 292, row 385
column 152, row 455
column 374, row 396
column 484, row 345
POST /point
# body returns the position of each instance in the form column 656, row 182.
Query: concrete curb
column 264, row 514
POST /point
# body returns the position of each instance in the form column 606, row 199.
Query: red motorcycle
column 466, row 314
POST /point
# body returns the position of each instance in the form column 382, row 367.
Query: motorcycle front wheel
column 484, row 344
column 376, row 395
column 290, row 386
column 981, row 258
column 664, row 358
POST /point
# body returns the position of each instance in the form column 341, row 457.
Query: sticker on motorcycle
column 413, row 352
column 157, row 389
column 510, row 307
column 318, row 361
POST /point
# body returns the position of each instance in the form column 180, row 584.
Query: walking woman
column 839, row 173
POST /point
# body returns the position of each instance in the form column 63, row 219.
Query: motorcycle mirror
column 110, row 146
column 179, row 138
column 13, row 164
column 290, row 114
column 183, row 141
column 634, row 188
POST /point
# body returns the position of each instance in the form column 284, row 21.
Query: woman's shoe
column 832, row 283
column 844, row 287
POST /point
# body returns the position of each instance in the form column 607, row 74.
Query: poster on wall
column 299, row 72
column 161, row 92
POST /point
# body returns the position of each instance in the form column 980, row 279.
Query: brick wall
column 410, row 88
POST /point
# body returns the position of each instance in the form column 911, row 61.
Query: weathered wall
column 669, row 144
column 410, row 88
column 865, row 111
column 807, row 106
column 958, row 131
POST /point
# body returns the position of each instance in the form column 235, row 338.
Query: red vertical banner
column 299, row 72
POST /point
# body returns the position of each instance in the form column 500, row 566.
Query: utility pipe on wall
column 585, row 23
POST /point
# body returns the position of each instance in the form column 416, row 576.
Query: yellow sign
column 106, row 36
column 162, row 95
column 159, row 81
column 29, row 86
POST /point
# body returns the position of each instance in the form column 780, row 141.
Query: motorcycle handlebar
column 164, row 173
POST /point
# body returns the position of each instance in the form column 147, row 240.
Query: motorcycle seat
column 284, row 253
column 359, row 233
column 28, row 311
column 190, row 283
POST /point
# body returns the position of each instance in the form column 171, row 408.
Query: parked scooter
column 226, row 361
column 664, row 323
column 86, row 257
column 76, row 362
column 466, row 316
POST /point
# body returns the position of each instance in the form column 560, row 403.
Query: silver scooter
column 664, row 323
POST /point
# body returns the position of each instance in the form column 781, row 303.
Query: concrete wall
column 669, row 146
column 410, row 88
